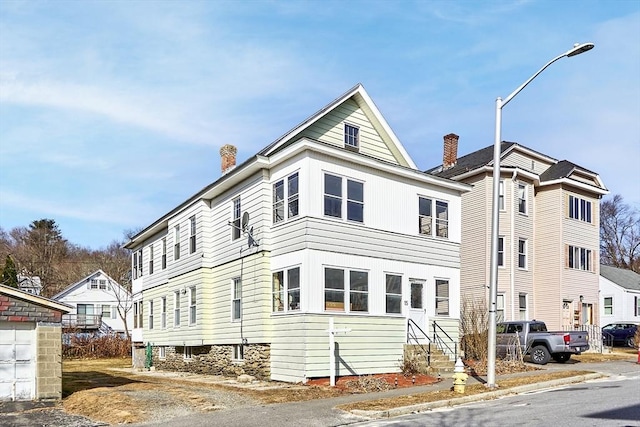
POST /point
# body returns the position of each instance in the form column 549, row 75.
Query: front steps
column 417, row 356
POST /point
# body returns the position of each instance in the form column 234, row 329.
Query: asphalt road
column 611, row 401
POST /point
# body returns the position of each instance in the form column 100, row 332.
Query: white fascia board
column 581, row 185
column 337, row 152
column 380, row 118
column 506, row 170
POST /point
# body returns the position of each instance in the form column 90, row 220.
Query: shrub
column 84, row 345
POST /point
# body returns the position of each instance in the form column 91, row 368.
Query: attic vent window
column 351, row 137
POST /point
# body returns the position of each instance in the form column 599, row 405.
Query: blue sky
column 113, row 112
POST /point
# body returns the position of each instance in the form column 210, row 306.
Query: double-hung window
column 522, row 306
column 442, row 297
column 140, row 314
column 150, row 314
column 290, row 187
column 608, row 305
column 176, row 308
column 192, row 235
column 522, row 254
column 106, row 311
column 192, row 305
column 135, row 264
column 150, row 259
column 427, row 222
column 237, row 214
column 176, row 242
column 164, row 253
column 351, row 136
column 140, row 262
column 393, row 300
column 579, row 258
column 163, row 313
column 94, row 284
column 501, row 251
column 522, row 198
column 500, row 308
column 579, row 209
column 236, row 300
column 501, row 194
column 102, row 283
column 355, row 298
column 286, row 290
column 334, row 189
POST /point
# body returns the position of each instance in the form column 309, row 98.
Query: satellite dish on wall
column 245, row 220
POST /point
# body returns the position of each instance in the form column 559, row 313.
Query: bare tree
column 619, row 234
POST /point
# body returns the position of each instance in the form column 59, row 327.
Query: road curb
column 422, row 407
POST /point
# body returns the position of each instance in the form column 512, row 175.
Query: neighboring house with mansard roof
column 331, row 221
column 548, row 261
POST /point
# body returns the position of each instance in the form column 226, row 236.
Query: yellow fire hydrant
column 459, row 377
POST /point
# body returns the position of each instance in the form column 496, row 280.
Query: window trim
column 192, row 305
column 351, row 136
column 436, row 224
column 606, row 306
column 523, row 311
column 580, row 209
column 150, row 315
column 236, row 215
column 523, row 254
column 151, row 259
column 176, row 308
column 176, row 242
column 524, row 200
column 162, row 352
column 501, row 251
column 579, row 258
column 501, row 188
column 348, row 292
column 440, row 299
column 345, row 198
column 283, row 292
column 163, row 313
column 164, row 253
column 236, row 299
column 192, row 235
column 394, row 295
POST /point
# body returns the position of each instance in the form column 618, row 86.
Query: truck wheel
column 540, row 355
column 561, row 357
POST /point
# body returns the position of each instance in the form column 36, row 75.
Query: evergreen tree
column 9, row 273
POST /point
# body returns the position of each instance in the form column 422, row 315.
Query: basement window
column 238, row 352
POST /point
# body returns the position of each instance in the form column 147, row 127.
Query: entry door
column 417, row 310
column 567, row 316
column 17, row 354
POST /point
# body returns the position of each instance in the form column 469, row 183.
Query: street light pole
column 495, row 211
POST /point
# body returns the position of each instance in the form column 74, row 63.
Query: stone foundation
column 217, row 360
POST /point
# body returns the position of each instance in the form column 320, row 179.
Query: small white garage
column 17, row 361
column 30, row 346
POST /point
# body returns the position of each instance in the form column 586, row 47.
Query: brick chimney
column 450, row 154
column 228, row 157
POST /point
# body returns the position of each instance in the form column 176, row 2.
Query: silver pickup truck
column 541, row 345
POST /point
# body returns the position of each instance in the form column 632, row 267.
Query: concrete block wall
column 48, row 361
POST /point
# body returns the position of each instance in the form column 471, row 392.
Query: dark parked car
column 619, row 334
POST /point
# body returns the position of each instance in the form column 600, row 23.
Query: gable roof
column 559, row 171
column 624, row 278
column 35, row 299
column 364, row 101
column 83, row 282
column 262, row 159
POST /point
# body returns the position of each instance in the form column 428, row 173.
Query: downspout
column 512, row 279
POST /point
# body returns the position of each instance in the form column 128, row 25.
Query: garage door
column 17, row 354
